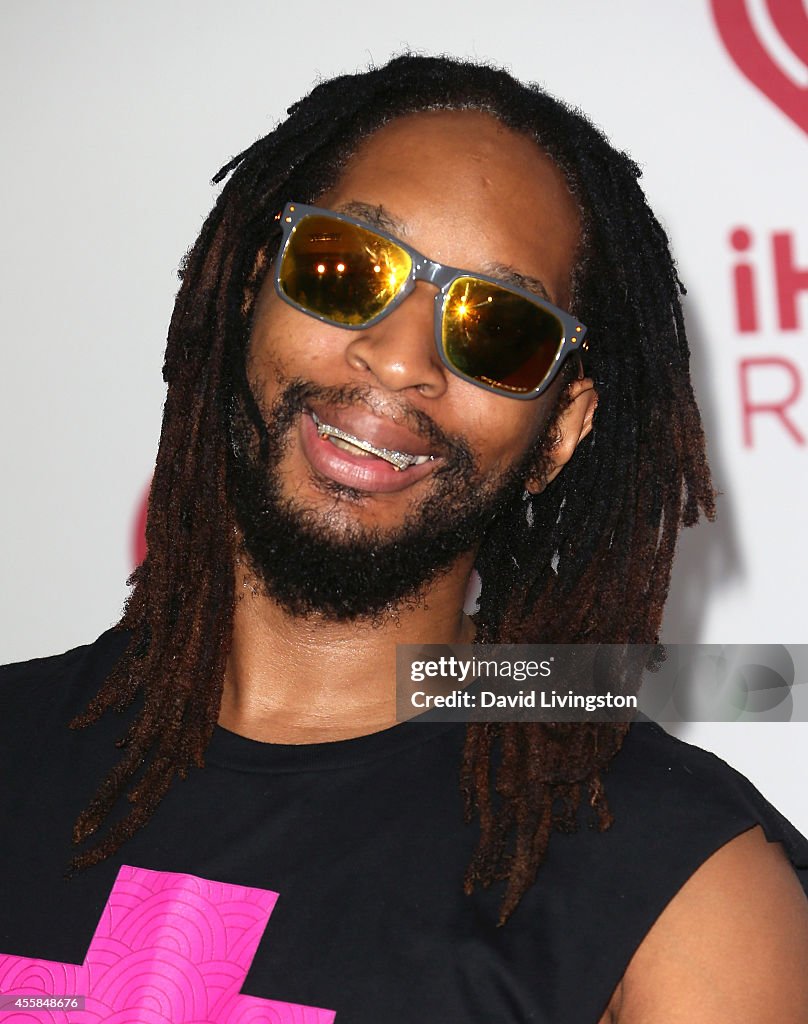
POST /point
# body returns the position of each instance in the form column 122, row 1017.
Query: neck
column 308, row 680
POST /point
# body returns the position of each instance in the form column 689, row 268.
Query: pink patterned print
column 169, row 949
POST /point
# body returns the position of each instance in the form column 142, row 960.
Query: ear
column 570, row 427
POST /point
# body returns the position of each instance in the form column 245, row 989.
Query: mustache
column 297, row 395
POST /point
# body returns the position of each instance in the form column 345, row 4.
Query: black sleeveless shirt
column 323, row 882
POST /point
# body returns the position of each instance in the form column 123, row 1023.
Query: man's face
column 333, row 529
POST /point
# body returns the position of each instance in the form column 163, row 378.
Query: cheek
column 500, row 430
column 288, row 343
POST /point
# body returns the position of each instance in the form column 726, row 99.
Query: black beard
column 310, row 570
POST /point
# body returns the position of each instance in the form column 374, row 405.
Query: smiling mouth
column 349, row 443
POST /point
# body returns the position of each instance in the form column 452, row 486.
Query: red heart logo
column 756, row 52
column 138, row 536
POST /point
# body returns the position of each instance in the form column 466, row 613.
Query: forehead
column 468, row 191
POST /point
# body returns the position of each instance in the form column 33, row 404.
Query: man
column 375, row 386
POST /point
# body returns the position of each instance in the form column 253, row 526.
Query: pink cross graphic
column 169, row 949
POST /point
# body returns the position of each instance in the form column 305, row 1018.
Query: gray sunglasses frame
column 442, row 277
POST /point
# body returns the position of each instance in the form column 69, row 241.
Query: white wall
column 117, row 114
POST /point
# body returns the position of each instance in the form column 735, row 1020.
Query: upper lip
column 365, row 425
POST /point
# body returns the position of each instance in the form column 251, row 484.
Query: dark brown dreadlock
column 594, row 566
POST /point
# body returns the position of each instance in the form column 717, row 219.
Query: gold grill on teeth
column 399, row 460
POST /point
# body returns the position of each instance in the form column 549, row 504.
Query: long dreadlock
column 592, row 567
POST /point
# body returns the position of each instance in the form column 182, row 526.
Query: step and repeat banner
column 117, row 115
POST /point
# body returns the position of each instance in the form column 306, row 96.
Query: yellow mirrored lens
column 345, row 273
column 498, row 337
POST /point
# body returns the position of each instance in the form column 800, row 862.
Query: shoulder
column 58, row 686
column 100, row 654
column 687, row 796
column 721, row 875
column 731, row 945
column 599, row 895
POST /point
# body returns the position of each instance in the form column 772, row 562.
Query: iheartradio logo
column 768, row 40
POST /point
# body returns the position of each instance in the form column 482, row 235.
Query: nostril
column 356, row 361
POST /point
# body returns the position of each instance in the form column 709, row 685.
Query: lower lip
column 363, row 473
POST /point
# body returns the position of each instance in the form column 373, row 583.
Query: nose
column 399, row 351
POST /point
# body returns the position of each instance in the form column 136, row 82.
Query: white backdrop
column 117, row 114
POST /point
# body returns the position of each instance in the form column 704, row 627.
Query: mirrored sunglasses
column 498, row 336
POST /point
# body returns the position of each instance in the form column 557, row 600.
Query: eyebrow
column 511, row 276
column 379, row 217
